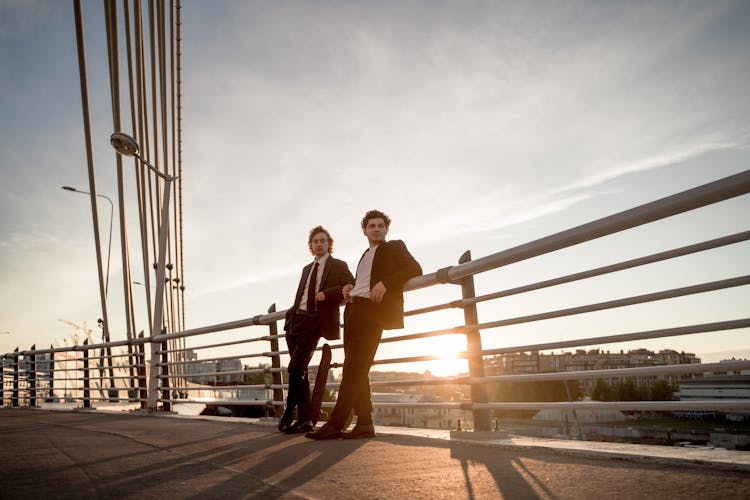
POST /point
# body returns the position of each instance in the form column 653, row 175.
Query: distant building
column 205, row 372
column 425, row 418
column 594, row 359
column 728, row 372
column 713, row 386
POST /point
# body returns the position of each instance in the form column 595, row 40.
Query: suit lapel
column 375, row 271
column 302, row 282
column 326, row 270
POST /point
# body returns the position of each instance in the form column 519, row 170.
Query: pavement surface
column 97, row 454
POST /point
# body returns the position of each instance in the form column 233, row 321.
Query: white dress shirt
column 364, row 271
column 321, row 264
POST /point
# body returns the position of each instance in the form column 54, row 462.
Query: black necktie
column 311, row 289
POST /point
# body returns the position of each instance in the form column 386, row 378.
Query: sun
column 447, row 347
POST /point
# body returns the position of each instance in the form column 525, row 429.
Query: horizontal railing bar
column 107, row 356
column 107, row 377
column 616, row 372
column 118, row 367
column 92, row 368
column 463, row 380
column 237, row 356
column 209, row 346
column 624, row 337
column 435, row 333
column 273, row 337
column 707, row 194
column 427, row 406
column 611, row 304
column 264, row 370
column 222, row 402
column 102, row 390
column 234, row 372
column 717, row 405
column 80, row 348
column 261, row 319
column 190, row 376
column 217, row 388
column 119, row 400
column 628, row 264
column 453, row 304
column 410, row 359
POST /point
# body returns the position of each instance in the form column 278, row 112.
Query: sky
column 475, row 125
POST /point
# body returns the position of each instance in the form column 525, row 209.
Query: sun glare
column 447, row 347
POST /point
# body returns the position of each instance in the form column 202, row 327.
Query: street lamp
column 127, row 146
column 111, row 212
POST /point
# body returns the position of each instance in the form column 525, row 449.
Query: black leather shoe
column 360, row 432
column 284, row 424
column 299, row 427
column 325, row 432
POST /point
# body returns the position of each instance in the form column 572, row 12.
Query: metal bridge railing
column 216, row 368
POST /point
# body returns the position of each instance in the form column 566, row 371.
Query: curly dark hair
column 375, row 214
column 316, row 230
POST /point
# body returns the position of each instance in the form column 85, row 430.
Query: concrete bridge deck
column 87, row 454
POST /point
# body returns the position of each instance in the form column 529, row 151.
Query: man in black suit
column 375, row 302
column 315, row 314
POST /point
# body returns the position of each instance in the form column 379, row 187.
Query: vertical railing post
column 14, row 397
column 31, row 380
column 276, row 376
column 51, row 395
column 133, row 389
column 142, row 379
column 86, row 376
column 2, row 381
column 165, row 376
column 474, row 350
column 153, row 375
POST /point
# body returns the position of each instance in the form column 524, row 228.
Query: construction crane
column 79, row 329
column 86, row 336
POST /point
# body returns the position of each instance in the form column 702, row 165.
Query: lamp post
column 105, row 335
column 111, row 212
column 127, row 146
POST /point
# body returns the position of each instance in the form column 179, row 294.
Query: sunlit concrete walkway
column 87, row 454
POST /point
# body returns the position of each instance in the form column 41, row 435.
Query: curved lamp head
column 127, row 146
column 124, row 144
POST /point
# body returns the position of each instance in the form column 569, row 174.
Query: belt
column 300, row 312
column 353, row 299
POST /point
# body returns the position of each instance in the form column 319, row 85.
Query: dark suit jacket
column 335, row 275
column 394, row 266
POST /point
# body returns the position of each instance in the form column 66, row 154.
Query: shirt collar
column 322, row 260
